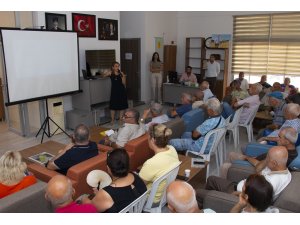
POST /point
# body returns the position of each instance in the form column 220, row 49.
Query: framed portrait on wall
column 55, row 22
column 84, row 24
column 107, row 29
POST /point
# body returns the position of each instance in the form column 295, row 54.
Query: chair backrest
column 251, row 117
column 236, row 119
column 227, row 121
column 169, row 177
column 137, row 205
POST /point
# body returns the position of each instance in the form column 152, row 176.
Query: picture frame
column 55, row 21
column 84, row 25
column 107, row 29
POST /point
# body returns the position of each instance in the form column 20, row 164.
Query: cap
column 276, row 94
column 98, row 177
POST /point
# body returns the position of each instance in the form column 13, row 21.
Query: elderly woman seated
column 13, row 174
column 125, row 186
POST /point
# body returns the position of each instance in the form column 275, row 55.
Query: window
column 267, row 44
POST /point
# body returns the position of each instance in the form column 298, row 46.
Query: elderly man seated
column 193, row 141
column 130, row 130
column 59, row 193
column 78, row 151
column 181, row 198
column 249, row 104
column 198, row 99
column 263, row 82
column 186, row 101
column 204, row 86
column 155, row 114
column 275, row 172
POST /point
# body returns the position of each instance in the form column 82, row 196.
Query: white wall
column 84, row 43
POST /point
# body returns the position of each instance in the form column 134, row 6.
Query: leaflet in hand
column 41, row 158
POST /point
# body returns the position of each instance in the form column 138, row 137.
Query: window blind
column 267, row 44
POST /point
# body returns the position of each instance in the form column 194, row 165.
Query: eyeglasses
column 126, row 117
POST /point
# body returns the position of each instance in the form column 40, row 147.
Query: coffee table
column 95, row 133
column 186, row 164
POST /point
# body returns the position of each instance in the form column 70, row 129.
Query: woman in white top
column 156, row 67
column 256, row 196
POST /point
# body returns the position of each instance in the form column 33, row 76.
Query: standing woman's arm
column 151, row 69
column 123, row 79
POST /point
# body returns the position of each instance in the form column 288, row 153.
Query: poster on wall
column 159, row 47
column 220, row 40
column 55, row 21
column 84, row 24
column 107, row 29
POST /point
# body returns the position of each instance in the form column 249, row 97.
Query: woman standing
column 118, row 96
column 156, row 67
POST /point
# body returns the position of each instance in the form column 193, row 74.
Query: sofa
column 194, row 118
column 288, row 200
column 29, row 200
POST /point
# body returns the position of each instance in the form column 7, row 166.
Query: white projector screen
column 40, row 64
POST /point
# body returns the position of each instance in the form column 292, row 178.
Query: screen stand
column 46, row 126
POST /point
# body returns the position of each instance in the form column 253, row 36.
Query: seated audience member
column 204, row 86
column 165, row 158
column 264, row 93
column 181, row 198
column 13, row 174
column 235, row 93
column 249, row 104
column 276, row 87
column 198, row 99
column 74, row 153
column 155, row 113
column 193, row 141
column 294, row 98
column 256, row 196
column 188, row 76
column 59, row 193
column 275, row 172
column 244, row 82
column 287, row 88
column 125, row 186
column 130, row 130
column 263, row 82
column 186, row 101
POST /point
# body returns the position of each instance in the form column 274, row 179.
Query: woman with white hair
column 13, row 174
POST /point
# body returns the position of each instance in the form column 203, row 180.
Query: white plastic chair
column 233, row 127
column 248, row 124
column 137, row 205
column 169, row 177
column 216, row 148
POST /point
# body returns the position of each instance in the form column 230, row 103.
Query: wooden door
column 131, row 66
column 169, row 59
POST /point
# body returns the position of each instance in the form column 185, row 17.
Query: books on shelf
column 41, row 158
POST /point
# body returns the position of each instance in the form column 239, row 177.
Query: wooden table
column 95, row 133
column 263, row 115
column 50, row 146
column 186, row 164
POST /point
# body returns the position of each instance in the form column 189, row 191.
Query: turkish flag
column 84, row 25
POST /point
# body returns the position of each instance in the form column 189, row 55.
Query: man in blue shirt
column 186, row 101
column 74, row 153
column 193, row 141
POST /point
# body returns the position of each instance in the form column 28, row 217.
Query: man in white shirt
column 244, row 83
column 213, row 70
column 204, row 87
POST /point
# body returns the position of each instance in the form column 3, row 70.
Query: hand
column 242, row 200
column 146, row 113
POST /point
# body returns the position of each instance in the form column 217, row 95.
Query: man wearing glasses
column 131, row 130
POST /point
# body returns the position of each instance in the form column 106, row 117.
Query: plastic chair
column 219, row 135
column 233, row 127
column 169, row 177
column 248, row 124
column 137, row 205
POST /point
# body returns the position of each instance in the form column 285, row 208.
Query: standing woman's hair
column 161, row 134
column 155, row 53
column 11, row 168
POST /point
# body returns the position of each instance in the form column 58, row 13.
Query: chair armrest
column 104, row 148
column 219, row 201
column 41, row 172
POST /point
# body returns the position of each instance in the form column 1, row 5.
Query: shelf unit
column 197, row 56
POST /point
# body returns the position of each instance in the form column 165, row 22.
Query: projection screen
column 40, row 64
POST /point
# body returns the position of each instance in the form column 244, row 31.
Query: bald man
column 59, row 193
column 275, row 171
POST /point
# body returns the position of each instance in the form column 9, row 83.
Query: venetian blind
column 267, row 44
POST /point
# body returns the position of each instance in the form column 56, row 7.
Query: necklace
column 114, row 181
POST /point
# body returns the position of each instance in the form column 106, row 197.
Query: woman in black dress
column 118, row 96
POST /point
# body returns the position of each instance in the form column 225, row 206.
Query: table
column 186, row 164
column 95, row 133
column 50, row 146
column 261, row 120
column 263, row 115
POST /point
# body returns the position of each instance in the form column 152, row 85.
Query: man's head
column 276, row 86
column 277, row 158
column 255, row 89
column 204, row 85
column 287, row 81
column 81, row 134
column 181, row 198
column 291, row 111
column 275, row 98
column 156, row 109
column 241, row 75
column 212, row 58
column 263, row 79
column 55, row 23
column 186, row 98
column 188, row 70
column 131, row 116
column 287, row 137
column 213, row 107
column 59, row 191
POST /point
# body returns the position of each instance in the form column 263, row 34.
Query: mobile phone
column 179, row 177
column 199, row 163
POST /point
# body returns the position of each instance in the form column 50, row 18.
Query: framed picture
column 55, row 22
column 107, row 29
column 84, row 24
